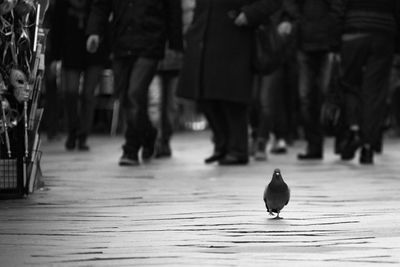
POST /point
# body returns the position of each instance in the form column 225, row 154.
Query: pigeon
column 276, row 194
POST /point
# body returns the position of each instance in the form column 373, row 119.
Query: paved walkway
column 180, row 212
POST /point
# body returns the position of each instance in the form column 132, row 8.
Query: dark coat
column 68, row 38
column 139, row 27
column 217, row 60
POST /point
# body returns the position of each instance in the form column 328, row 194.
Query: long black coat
column 139, row 27
column 217, row 61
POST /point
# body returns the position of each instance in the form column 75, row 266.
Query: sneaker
column 129, row 159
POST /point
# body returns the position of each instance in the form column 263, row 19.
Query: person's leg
column 354, row 54
column 374, row 94
column 254, row 114
column 212, row 110
column 168, row 111
column 141, row 128
column 308, row 62
column 122, row 69
column 70, row 80
column 236, row 115
column 264, row 116
column 88, row 101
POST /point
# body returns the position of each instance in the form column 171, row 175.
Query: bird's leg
column 271, row 213
column 277, row 217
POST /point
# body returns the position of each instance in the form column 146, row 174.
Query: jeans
column 314, row 77
column 132, row 78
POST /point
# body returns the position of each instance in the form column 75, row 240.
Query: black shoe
column 214, row 157
column 350, row 144
column 82, row 145
column 70, row 144
column 279, row 150
column 149, row 145
column 367, row 155
column 310, row 156
column 233, row 160
column 163, row 150
column 129, row 159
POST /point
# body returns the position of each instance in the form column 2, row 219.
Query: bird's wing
column 288, row 196
column 265, row 199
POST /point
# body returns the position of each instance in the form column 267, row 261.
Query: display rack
column 22, row 47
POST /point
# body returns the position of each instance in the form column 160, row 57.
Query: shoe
column 82, row 145
column 163, row 150
column 279, row 150
column 70, row 143
column 214, row 157
column 350, row 144
column 367, row 155
column 229, row 160
column 310, row 156
column 260, row 154
column 129, row 159
column 149, row 145
column 279, row 147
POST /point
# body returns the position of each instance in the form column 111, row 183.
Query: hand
column 92, row 43
column 241, row 20
column 284, row 28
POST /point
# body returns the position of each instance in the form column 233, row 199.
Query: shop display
column 22, row 47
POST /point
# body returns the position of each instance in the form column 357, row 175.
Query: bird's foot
column 277, row 217
column 271, row 213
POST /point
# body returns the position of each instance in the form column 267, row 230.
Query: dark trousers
column 79, row 106
column 273, row 102
column 228, row 122
column 366, row 63
column 314, row 77
column 132, row 78
column 168, row 107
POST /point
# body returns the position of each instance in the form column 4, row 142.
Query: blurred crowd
column 170, row 65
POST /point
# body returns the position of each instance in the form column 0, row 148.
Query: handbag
column 268, row 49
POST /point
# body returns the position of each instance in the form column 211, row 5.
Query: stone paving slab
column 181, row 212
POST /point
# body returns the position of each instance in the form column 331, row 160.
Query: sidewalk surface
column 181, row 212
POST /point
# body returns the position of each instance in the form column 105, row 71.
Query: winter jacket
column 68, row 37
column 367, row 16
column 139, row 28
